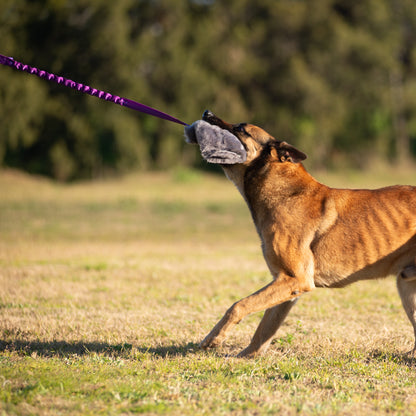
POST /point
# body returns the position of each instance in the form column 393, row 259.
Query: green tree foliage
column 335, row 77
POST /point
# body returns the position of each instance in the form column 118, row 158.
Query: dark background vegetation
column 337, row 78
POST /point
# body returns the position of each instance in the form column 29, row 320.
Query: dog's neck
column 280, row 177
column 284, row 181
column 236, row 173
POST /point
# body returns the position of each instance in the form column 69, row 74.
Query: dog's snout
column 211, row 118
column 207, row 115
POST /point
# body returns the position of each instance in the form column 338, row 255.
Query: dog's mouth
column 216, row 140
column 234, row 129
column 210, row 118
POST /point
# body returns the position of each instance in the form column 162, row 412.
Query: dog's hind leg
column 407, row 291
column 267, row 328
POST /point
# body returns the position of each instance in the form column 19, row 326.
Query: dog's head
column 231, row 144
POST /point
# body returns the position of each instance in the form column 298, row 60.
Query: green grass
column 106, row 288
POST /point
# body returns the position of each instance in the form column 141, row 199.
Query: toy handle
column 125, row 102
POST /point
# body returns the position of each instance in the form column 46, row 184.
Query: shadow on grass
column 129, row 351
column 405, row 358
column 63, row 348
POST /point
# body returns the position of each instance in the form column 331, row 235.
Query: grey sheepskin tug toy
column 216, row 144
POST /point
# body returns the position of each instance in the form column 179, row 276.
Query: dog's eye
column 241, row 128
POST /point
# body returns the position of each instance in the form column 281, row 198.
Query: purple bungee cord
column 125, row 102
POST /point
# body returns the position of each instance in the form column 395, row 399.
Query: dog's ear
column 287, row 153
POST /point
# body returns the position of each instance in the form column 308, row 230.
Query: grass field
column 106, row 288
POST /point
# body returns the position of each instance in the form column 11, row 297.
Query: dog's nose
column 207, row 115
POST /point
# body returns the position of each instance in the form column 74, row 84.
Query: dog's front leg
column 267, row 328
column 283, row 289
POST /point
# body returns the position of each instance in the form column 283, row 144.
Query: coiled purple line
column 4, row 60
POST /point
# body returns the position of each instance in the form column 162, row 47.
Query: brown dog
column 313, row 235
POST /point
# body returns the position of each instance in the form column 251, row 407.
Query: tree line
column 337, row 78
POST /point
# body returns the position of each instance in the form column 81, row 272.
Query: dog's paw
column 247, row 354
column 251, row 352
column 210, row 341
column 206, row 344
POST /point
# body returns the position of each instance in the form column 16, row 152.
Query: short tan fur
column 313, row 235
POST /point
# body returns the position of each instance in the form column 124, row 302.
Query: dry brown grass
column 106, row 289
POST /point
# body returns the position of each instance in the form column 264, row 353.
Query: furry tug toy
column 216, row 145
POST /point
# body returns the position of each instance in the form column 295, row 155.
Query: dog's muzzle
column 216, row 144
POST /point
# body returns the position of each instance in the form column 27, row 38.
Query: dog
column 311, row 235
